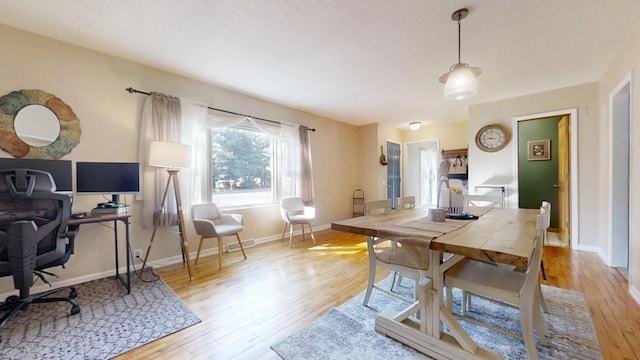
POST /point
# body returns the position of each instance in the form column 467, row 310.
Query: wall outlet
column 137, row 254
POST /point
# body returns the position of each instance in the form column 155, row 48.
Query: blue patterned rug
column 110, row 322
column 347, row 332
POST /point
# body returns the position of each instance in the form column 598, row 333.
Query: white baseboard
column 137, row 264
column 635, row 294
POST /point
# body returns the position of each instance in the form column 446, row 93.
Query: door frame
column 623, row 88
column 573, row 167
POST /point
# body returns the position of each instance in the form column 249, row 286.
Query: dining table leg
column 427, row 334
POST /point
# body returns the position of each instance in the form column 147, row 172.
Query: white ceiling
column 356, row 61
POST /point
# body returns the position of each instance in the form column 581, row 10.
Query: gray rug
column 347, row 332
column 110, row 322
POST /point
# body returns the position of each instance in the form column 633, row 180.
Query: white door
column 421, row 172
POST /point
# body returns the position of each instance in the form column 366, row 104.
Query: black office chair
column 33, row 236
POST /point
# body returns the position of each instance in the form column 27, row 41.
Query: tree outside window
column 241, row 167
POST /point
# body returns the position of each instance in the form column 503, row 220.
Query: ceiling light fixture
column 414, row 125
column 460, row 82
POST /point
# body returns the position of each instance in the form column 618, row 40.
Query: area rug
column 347, row 332
column 110, row 322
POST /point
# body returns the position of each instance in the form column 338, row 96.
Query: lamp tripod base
column 173, row 175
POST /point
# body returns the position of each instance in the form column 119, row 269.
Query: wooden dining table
column 499, row 235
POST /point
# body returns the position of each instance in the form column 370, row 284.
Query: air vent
column 234, row 246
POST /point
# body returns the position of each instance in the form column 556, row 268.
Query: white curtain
column 195, row 189
column 429, row 177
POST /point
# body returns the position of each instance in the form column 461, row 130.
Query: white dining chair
column 385, row 252
column 471, row 200
column 372, row 207
column 294, row 212
column 544, row 209
column 406, row 202
column 516, row 288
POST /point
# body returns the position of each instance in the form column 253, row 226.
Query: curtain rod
column 132, row 90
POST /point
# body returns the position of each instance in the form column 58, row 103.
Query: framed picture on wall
column 539, row 150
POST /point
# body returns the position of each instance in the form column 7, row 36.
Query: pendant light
column 460, row 82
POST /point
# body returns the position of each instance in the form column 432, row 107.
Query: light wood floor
column 252, row 304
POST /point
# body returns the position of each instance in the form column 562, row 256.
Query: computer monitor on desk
column 113, row 178
column 60, row 170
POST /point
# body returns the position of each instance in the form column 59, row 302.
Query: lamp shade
column 461, row 82
column 169, row 154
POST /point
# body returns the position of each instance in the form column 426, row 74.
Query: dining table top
column 499, row 235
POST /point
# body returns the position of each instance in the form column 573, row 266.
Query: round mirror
column 37, row 125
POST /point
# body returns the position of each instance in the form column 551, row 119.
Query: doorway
column 421, row 172
column 620, row 143
column 556, row 171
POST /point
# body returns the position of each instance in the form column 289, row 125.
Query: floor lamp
column 172, row 156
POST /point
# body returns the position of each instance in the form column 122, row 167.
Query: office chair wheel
column 12, row 299
column 73, row 294
column 75, row 309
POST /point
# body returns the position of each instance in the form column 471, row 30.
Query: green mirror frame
column 10, row 106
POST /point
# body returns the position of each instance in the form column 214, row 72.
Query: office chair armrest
column 232, row 219
column 72, row 231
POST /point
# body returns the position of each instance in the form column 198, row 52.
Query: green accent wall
column 536, row 178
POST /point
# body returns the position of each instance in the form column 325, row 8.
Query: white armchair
column 209, row 222
column 294, row 212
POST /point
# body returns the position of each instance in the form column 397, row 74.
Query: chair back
column 406, row 202
column 533, row 271
column 32, row 216
column 208, row 211
column 483, row 200
column 377, row 206
column 292, row 204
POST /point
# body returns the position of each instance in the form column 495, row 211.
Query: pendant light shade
column 460, row 82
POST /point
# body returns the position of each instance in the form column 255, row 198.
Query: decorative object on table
column 437, row 214
column 111, row 322
column 383, row 159
column 460, row 81
column 347, row 331
column 457, row 202
column 458, row 169
column 539, row 150
column 37, row 125
column 492, row 137
column 462, row 216
column 172, row 156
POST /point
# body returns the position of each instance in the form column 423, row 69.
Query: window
column 242, row 161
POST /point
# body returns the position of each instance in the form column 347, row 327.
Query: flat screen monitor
column 60, row 170
column 108, row 178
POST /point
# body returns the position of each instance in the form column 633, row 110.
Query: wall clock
column 492, row 138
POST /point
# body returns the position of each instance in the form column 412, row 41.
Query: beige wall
column 501, row 164
column 627, row 62
column 93, row 84
column 450, row 135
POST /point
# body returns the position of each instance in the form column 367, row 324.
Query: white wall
column 93, row 84
column 627, row 62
